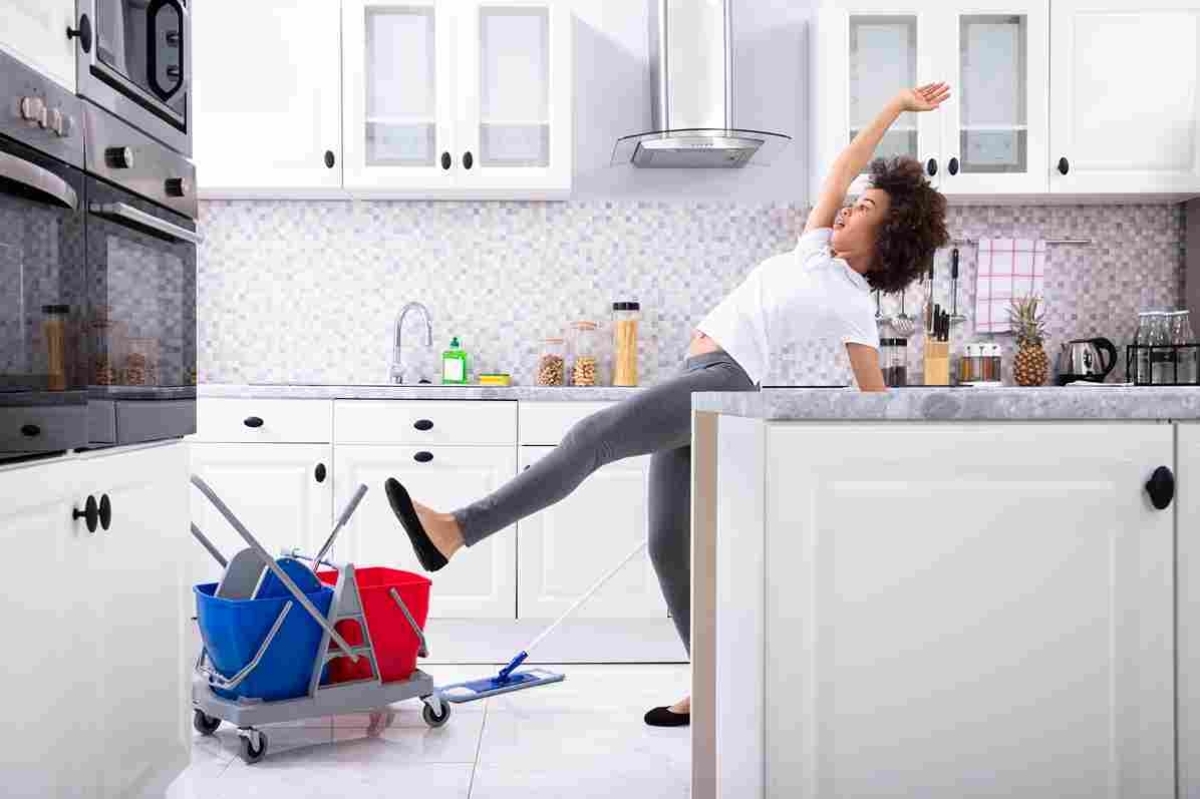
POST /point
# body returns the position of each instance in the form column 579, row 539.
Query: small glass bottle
column 552, row 363
column 584, row 360
column 1141, row 340
column 1162, row 360
column 1185, row 355
column 625, row 343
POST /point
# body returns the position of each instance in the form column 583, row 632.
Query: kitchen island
column 946, row 593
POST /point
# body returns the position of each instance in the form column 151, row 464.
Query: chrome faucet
column 396, row 372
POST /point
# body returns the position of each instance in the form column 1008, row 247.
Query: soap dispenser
column 454, row 364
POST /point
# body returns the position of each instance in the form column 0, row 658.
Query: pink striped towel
column 1007, row 268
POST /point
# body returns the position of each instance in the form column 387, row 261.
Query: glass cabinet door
column 397, row 89
column 887, row 53
column 514, row 94
column 995, row 137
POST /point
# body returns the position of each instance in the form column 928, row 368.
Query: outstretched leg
column 654, row 419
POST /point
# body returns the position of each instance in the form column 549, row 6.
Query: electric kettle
column 1088, row 359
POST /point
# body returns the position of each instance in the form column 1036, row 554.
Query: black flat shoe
column 427, row 553
column 665, row 717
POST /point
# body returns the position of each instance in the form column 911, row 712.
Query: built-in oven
column 133, row 58
column 141, row 285
column 43, row 296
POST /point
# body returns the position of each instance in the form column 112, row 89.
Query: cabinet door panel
column 272, row 488
column 1122, row 127
column 35, row 31
column 481, row 581
column 267, row 127
column 51, row 747
column 136, row 580
column 565, row 548
column 998, row 604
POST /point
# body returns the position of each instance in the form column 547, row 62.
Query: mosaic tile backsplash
column 308, row 292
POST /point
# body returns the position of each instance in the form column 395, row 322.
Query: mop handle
column 586, row 596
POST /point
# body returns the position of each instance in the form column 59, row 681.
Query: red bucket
column 396, row 644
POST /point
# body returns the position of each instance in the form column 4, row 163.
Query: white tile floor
column 581, row 738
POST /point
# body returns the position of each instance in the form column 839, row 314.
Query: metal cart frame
column 371, row 694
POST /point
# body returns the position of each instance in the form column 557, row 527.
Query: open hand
column 924, row 98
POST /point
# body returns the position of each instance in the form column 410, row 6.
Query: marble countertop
column 415, row 392
column 1087, row 402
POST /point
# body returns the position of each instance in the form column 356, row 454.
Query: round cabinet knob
column 105, row 512
column 330, row 159
column 119, row 157
column 31, row 430
column 177, row 187
column 468, row 160
column 90, row 514
column 931, row 167
column 447, row 161
column 33, row 109
column 83, row 32
column 952, row 167
column 1064, row 166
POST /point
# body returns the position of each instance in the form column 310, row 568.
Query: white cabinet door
column 481, row 581
column 1187, row 607
column 514, row 91
column 995, row 134
column 565, row 548
column 398, row 75
column 1125, row 89
column 267, row 96
column 283, row 493
column 864, row 53
column 35, row 31
column 135, row 580
column 52, row 744
column 956, row 606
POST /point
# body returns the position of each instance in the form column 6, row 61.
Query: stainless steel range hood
column 691, row 73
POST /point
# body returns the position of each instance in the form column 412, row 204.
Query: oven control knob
column 119, row 157
column 34, row 110
column 177, row 187
column 60, row 123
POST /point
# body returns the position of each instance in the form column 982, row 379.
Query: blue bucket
column 234, row 629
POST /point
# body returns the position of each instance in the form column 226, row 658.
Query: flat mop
column 509, row 679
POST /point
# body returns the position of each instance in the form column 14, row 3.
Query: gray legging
column 657, row 420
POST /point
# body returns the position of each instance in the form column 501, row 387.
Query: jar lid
column 56, row 309
column 627, row 306
column 584, row 325
column 893, row 342
column 554, row 340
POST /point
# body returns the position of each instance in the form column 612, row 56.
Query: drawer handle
column 253, row 421
column 423, row 457
column 105, row 512
column 31, row 431
column 423, row 424
column 90, row 514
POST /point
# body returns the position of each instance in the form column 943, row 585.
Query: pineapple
column 1030, row 366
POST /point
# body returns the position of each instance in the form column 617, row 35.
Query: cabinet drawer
column 548, row 422
column 238, row 420
column 418, row 422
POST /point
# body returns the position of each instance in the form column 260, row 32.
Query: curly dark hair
column 914, row 227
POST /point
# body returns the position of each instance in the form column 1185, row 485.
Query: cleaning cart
column 275, row 639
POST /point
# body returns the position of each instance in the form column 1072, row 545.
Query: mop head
column 473, row 690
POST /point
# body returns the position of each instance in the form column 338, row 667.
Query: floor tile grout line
column 478, row 748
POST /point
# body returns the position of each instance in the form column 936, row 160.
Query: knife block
column 937, row 363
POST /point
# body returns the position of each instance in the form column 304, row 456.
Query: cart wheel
column 432, row 718
column 204, row 723
column 250, row 754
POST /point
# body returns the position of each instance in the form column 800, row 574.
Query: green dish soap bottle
column 454, row 364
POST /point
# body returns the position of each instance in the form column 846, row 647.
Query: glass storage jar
column 141, row 362
column 894, row 360
column 626, row 316
column 552, row 363
column 54, row 335
column 584, row 355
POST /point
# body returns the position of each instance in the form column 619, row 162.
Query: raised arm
column 854, row 159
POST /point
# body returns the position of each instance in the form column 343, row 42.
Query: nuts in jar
column 584, row 361
column 552, row 365
column 584, row 373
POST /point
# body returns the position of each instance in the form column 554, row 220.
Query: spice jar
column 583, row 354
column 626, row 316
column 141, row 363
column 552, row 364
column 893, row 354
column 54, row 333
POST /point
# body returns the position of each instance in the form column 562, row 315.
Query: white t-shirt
column 791, row 297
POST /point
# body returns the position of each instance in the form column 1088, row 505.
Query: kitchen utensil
column 880, row 319
column 955, row 316
column 903, row 324
column 1083, row 359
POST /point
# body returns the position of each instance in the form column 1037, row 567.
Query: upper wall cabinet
column 267, row 97
column 35, row 31
column 1049, row 96
column 1125, row 108
column 387, row 98
column 457, row 98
